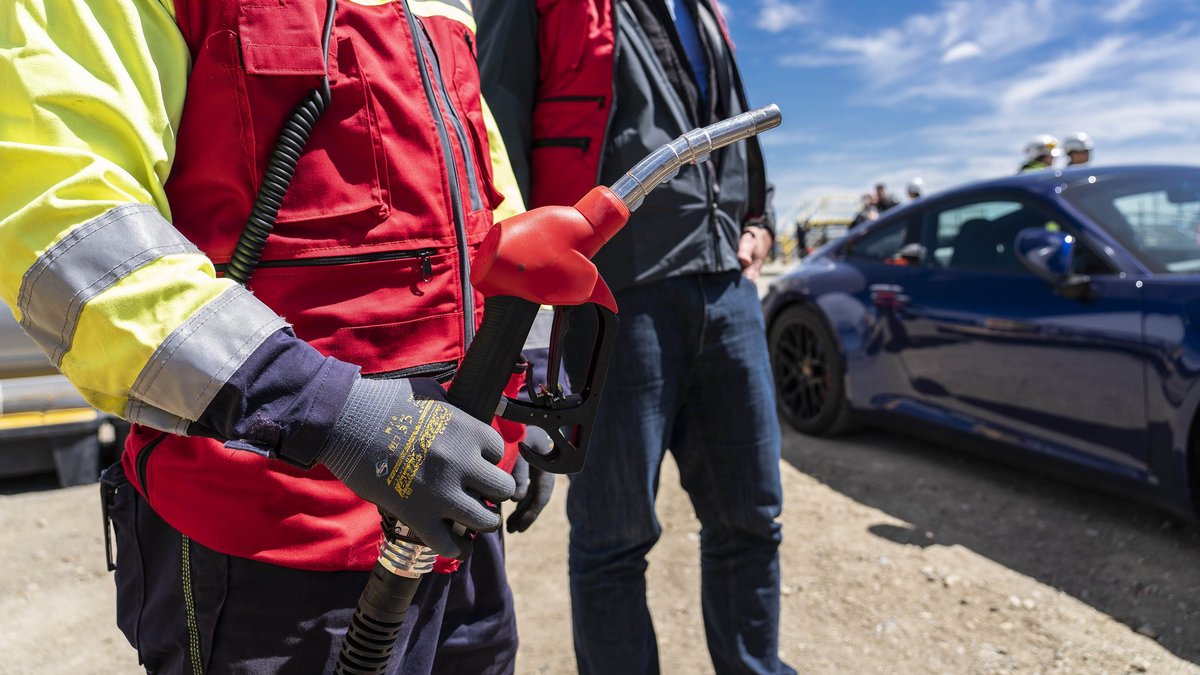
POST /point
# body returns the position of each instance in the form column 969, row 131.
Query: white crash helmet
column 1079, row 142
column 916, row 187
column 1042, row 145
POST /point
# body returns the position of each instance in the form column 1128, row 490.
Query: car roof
column 1048, row 179
column 1042, row 182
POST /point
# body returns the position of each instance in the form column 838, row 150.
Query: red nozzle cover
column 544, row 255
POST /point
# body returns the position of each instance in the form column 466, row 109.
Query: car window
column 895, row 244
column 1153, row 213
column 1166, row 229
column 979, row 236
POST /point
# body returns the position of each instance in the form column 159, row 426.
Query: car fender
column 829, row 289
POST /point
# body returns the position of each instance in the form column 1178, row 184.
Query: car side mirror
column 1050, row 254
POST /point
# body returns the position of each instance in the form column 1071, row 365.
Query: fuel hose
column 477, row 389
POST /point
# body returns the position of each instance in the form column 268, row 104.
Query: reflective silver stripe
column 198, row 358
column 154, row 418
column 86, row 262
column 456, row 4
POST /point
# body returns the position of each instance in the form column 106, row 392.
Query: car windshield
column 1154, row 213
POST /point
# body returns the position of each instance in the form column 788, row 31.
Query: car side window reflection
column 893, row 244
column 978, row 237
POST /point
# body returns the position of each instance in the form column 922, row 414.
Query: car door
column 884, row 260
column 988, row 340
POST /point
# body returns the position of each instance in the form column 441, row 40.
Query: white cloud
column 775, row 16
column 962, row 51
column 960, row 31
column 987, row 77
column 1066, row 72
column 1123, row 10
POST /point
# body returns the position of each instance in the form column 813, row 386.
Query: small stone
column 1006, row 626
column 1014, row 601
column 885, row 561
column 1147, row 630
column 929, row 572
column 951, row 580
column 692, row 536
column 926, row 615
column 787, row 590
column 928, row 535
column 43, row 523
column 1028, row 603
column 1139, row 664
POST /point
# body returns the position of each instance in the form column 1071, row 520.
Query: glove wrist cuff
column 367, row 405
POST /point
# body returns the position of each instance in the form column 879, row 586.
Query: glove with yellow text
column 401, row 446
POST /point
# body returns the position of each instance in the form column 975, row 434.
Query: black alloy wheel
column 809, row 376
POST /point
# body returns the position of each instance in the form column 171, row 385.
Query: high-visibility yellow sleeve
column 502, row 172
column 91, row 94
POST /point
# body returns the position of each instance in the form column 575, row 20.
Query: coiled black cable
column 280, row 168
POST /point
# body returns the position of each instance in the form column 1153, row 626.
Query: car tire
column 810, row 385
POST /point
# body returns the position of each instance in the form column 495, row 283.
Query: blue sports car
column 1051, row 318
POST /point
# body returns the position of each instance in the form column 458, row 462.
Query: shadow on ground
column 1125, row 559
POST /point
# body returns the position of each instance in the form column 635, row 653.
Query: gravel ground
column 899, row 557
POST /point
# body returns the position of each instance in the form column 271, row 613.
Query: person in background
column 883, row 199
column 1040, row 153
column 583, row 90
column 916, row 188
column 1078, row 148
column 867, row 213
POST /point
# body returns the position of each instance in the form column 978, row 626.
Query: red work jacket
column 392, row 191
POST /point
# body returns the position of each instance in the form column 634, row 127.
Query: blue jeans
column 690, row 373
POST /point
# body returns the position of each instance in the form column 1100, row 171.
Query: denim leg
column 610, row 504
column 726, row 443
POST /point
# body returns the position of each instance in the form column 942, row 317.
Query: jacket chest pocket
column 340, row 173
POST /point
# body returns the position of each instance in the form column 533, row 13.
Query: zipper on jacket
column 455, row 122
column 143, row 461
column 460, row 227
column 441, row 371
column 470, row 43
column 580, row 142
column 424, row 255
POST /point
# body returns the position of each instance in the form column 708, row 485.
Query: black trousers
column 189, row 609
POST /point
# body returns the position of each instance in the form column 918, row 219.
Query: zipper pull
column 426, row 266
column 470, row 43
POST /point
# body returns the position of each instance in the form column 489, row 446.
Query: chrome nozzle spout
column 693, row 147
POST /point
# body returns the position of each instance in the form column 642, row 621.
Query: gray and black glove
column 534, row 486
column 401, row 446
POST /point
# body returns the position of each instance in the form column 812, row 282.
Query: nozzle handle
column 487, row 366
column 693, row 147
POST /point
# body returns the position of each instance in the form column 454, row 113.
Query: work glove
column 401, row 446
column 534, row 486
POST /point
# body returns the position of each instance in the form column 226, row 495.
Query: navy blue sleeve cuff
column 281, row 403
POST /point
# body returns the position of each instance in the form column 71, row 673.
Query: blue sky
column 951, row 90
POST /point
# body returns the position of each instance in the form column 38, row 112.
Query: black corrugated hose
column 280, row 168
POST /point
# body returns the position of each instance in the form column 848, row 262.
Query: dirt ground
column 899, row 557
